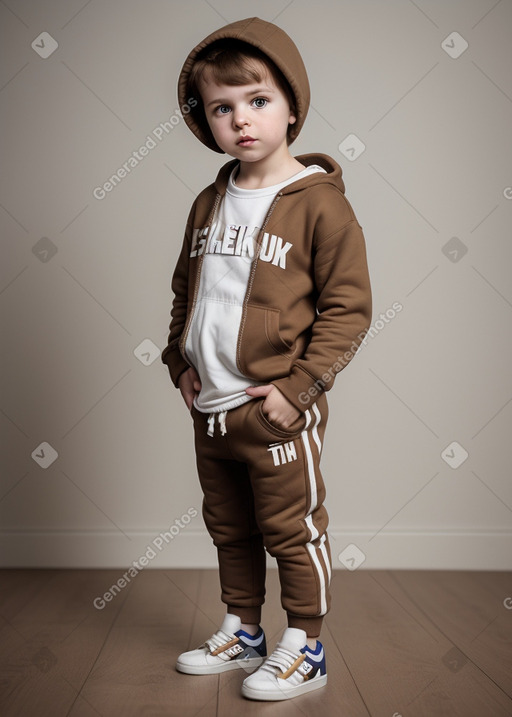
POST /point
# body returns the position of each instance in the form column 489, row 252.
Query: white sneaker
column 228, row 649
column 292, row 669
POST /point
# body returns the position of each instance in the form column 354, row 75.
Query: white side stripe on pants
column 315, row 428
column 313, row 504
column 316, row 562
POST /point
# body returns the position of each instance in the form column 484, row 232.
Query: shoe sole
column 285, row 694
column 248, row 664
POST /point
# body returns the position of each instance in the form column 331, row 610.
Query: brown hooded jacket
column 304, row 314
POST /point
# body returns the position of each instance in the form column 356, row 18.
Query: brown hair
column 234, row 62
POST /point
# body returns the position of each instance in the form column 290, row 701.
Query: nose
column 240, row 118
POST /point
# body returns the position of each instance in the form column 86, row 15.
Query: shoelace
column 218, row 639
column 281, row 658
column 222, row 423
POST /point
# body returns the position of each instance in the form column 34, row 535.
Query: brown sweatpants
column 263, row 489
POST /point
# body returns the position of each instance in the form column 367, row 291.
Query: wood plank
column 414, row 643
column 397, row 662
column 468, row 608
column 20, row 586
column 135, row 672
column 60, row 635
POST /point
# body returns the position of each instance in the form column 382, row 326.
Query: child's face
column 259, row 110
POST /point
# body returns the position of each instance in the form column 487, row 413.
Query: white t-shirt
column 212, row 338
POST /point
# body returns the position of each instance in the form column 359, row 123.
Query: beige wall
column 82, row 328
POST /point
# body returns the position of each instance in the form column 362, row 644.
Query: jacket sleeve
column 344, row 307
column 171, row 355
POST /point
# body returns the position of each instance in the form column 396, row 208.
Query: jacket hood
column 333, row 174
column 269, row 39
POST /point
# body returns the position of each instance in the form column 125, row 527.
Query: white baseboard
column 193, row 548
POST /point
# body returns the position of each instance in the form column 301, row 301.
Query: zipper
column 251, row 280
column 184, row 335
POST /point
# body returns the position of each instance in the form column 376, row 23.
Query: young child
column 272, row 299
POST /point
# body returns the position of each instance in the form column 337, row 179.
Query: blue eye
column 260, row 102
column 221, row 109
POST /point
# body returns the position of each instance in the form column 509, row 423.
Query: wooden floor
column 398, row 644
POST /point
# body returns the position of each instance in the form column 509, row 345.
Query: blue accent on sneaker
column 248, row 634
column 318, row 665
column 249, row 642
column 317, row 649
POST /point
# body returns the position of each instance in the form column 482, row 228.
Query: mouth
column 246, row 141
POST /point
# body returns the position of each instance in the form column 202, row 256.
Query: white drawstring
column 222, row 423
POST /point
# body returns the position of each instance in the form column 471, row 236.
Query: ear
column 292, row 118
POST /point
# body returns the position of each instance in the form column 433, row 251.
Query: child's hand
column 276, row 407
column 189, row 385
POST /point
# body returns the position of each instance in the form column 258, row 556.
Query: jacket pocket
column 263, row 354
column 272, row 333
